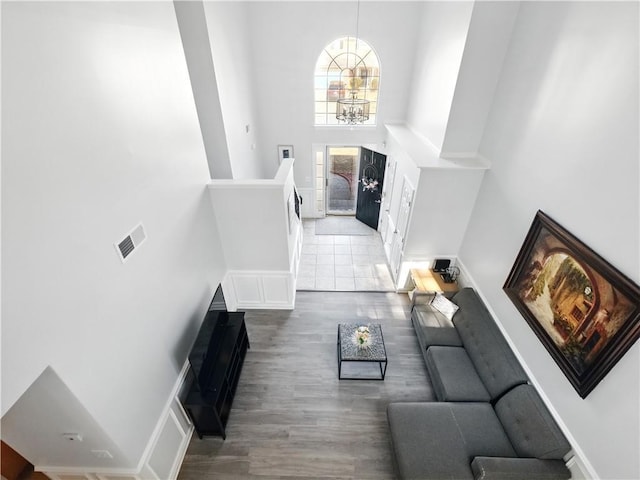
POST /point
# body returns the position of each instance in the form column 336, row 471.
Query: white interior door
column 405, row 208
column 387, row 195
column 402, row 223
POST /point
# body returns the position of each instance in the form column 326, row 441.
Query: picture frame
column 284, row 151
column 584, row 311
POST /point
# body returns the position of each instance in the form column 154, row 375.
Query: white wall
column 62, row 413
column 230, row 36
column 406, row 169
column 441, row 209
column 261, row 239
column 287, row 39
column 204, row 84
column 484, row 50
column 438, row 53
column 563, row 137
column 100, row 132
column 254, row 217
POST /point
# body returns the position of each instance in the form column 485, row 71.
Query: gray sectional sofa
column 489, row 422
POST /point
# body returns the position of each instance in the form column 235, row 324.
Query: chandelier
column 353, row 110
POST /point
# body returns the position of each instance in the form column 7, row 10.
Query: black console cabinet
column 209, row 405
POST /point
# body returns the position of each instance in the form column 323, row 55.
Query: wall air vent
column 128, row 244
column 126, row 247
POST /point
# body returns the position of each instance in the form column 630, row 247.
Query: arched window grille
column 347, row 68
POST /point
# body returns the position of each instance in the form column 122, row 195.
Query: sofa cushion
column 453, row 377
column 443, row 305
column 439, row 440
column 433, row 328
column 489, row 351
column 481, row 430
column 529, row 425
column 500, row 468
column 426, row 442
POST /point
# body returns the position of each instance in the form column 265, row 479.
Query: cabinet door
column 387, row 195
column 404, row 212
column 400, row 233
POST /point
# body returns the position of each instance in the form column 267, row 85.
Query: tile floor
column 348, row 263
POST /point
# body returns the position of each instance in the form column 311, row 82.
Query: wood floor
column 292, row 417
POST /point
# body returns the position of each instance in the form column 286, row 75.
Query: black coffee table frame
column 349, row 352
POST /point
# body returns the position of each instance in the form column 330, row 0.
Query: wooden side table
column 430, row 282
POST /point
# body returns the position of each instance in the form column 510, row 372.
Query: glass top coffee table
column 355, row 363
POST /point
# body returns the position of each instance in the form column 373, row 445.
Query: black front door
column 370, row 178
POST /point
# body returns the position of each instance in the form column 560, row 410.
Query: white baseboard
column 576, row 460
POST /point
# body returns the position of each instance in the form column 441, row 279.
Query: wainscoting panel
column 163, row 458
column 260, row 290
column 247, row 290
column 276, row 289
column 94, row 476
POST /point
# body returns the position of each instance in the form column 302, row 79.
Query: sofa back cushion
column 490, row 353
column 433, row 328
column 530, row 427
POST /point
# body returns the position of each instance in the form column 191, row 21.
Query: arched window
column 347, row 68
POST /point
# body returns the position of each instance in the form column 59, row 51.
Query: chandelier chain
column 353, row 110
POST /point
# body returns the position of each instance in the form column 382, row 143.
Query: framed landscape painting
column 584, row 311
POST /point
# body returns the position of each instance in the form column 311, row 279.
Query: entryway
column 351, row 263
column 354, row 183
column 348, row 255
column 342, row 180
